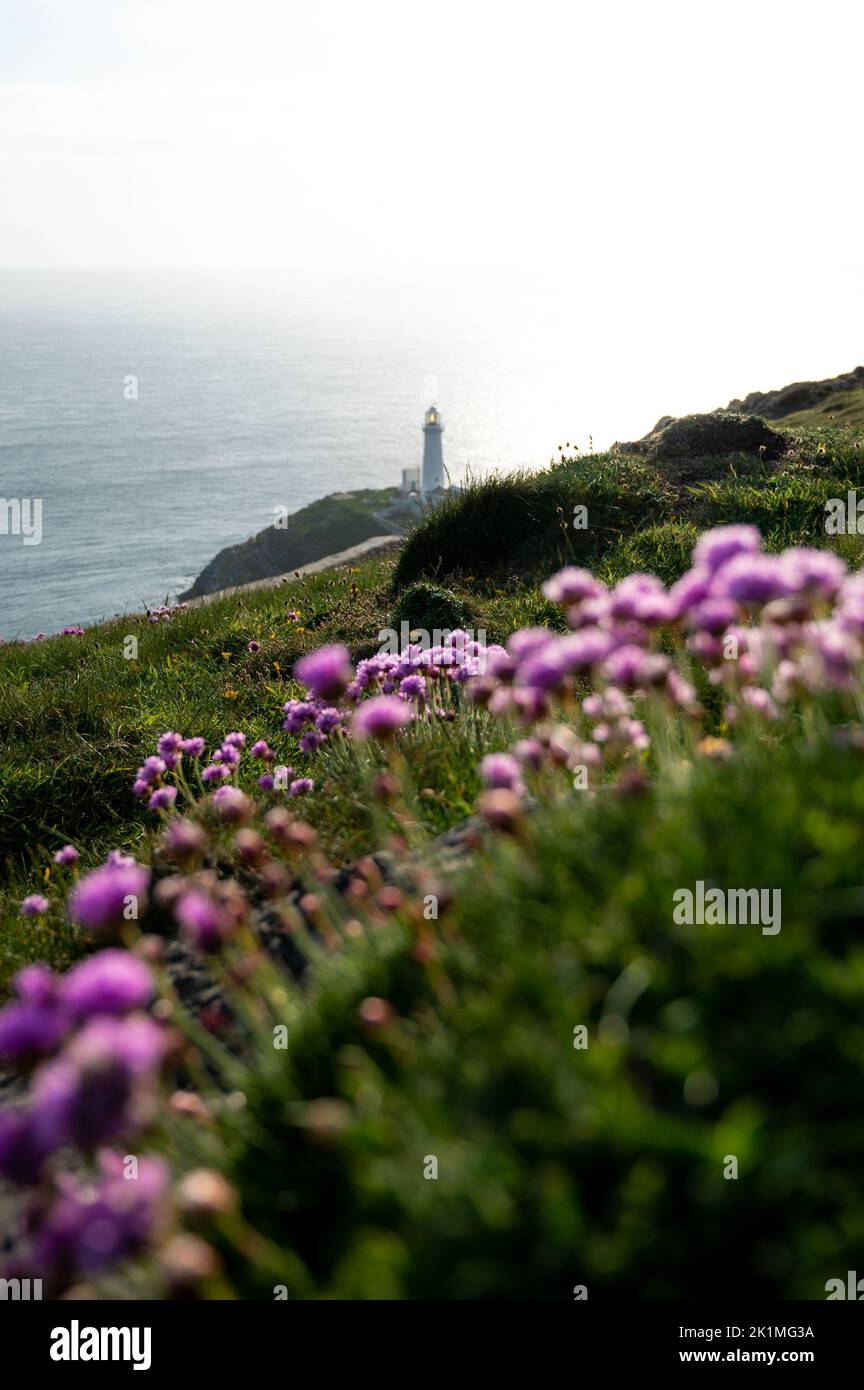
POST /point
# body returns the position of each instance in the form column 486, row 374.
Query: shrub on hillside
column 701, row 436
column 430, row 607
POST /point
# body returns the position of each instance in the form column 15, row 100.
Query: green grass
column 840, row 408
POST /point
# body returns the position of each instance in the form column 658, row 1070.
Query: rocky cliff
column 332, row 524
column 799, row 396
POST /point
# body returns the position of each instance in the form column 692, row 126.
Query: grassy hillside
column 495, row 1066
column 808, row 402
column 838, row 408
column 77, row 717
column 643, row 509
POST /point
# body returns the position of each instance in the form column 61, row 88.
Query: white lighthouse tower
column 433, row 455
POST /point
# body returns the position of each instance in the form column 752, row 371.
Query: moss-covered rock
column 705, row 436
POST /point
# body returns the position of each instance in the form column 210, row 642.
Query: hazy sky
column 686, row 177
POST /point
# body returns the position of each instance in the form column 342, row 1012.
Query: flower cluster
column 95, row 1059
column 222, row 769
column 766, row 628
column 165, row 612
column 384, row 692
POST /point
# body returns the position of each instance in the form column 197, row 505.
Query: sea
column 158, row 416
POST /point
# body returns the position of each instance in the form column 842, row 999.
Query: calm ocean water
column 252, row 393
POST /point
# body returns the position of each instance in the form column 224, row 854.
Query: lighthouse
column 433, row 456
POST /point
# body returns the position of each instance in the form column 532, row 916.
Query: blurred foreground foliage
column 603, row 1166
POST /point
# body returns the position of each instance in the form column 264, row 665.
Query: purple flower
column 162, row 799
column 253, row 647
column 29, row 1032
column 111, row 982
column 328, row 719
column 611, row 704
column 262, row 750
column 587, row 647
column 34, row 905
column 626, row 666
column 216, row 772
column 36, row 984
column 691, row 588
column 591, row 612
column 301, row 786
column 501, row 770
column 572, row 585
column 66, row 856
column 310, row 741
column 137, row 1041
column 205, row 922
column 413, row 687
column 499, row 664
column 299, row 713
column 641, row 598
column 169, row 744
column 838, row 651
column 530, row 703
column 267, row 782
column 22, row 1150
column 759, row 700
column 526, row 642
column 83, row 1101
column 111, row 895
column 716, row 547
column 751, row 578
column 542, row 666
column 232, row 804
column 530, row 753
column 184, row 839
column 325, row 672
column 235, row 740
column 53, row 1098
column 681, row 692
column 368, row 670
column 817, row 572
column 193, row 747
column 706, row 646
column 91, row 1225
column 151, row 769
column 714, row 615
column 380, row 717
